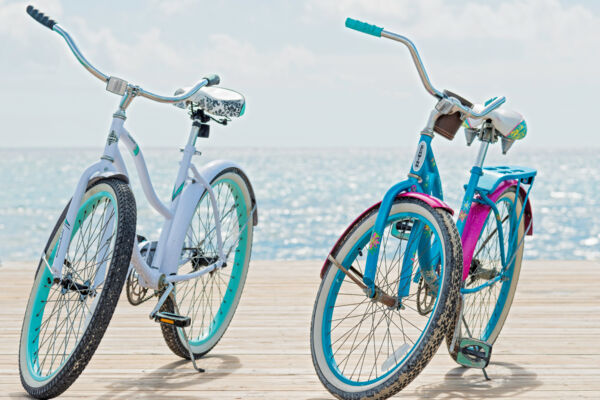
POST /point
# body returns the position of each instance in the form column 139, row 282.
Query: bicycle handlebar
column 380, row 32
column 490, row 107
column 209, row 80
column 363, row 27
column 77, row 53
column 40, row 17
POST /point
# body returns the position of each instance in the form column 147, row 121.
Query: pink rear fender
column 430, row 200
column 477, row 217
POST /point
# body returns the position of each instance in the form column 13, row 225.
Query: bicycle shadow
column 507, row 380
column 166, row 381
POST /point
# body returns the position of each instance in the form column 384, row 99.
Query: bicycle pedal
column 172, row 319
column 473, row 353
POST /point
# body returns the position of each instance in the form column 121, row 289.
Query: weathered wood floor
column 549, row 349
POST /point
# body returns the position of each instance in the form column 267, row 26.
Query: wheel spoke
column 362, row 334
column 61, row 326
column 205, row 299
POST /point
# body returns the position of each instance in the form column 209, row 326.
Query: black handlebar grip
column 213, row 79
column 40, row 17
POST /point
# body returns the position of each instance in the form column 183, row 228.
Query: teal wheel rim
column 484, row 323
column 46, row 289
column 213, row 288
column 335, row 360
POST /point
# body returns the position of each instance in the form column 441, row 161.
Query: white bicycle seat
column 509, row 123
column 217, row 101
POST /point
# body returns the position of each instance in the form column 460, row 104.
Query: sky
column 308, row 81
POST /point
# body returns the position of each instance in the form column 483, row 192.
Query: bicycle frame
column 176, row 213
column 163, row 270
column 424, row 178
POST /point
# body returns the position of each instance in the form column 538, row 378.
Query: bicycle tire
column 108, row 193
column 204, row 339
column 440, row 316
column 488, row 324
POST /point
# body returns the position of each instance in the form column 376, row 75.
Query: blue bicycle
column 391, row 287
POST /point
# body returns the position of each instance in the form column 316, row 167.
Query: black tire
column 433, row 334
column 171, row 335
column 239, row 262
column 100, row 309
column 487, row 255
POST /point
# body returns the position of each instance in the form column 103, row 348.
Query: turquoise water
column 306, row 197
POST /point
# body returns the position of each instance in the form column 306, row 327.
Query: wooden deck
column 549, row 349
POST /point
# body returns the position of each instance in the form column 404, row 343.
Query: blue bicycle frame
column 424, row 178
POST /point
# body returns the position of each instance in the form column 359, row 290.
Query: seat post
column 482, row 153
column 487, row 134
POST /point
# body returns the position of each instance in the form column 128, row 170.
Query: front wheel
column 66, row 318
column 210, row 300
column 364, row 349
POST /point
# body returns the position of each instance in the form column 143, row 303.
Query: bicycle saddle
column 218, row 101
column 509, row 123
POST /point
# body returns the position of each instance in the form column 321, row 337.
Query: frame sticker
column 420, row 156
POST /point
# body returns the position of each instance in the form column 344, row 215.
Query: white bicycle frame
column 187, row 191
column 190, row 185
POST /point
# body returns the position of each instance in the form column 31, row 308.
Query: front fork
column 104, row 166
column 423, row 178
column 67, row 229
column 377, row 233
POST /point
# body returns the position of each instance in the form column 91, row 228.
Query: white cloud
column 547, row 30
column 270, row 67
column 144, row 56
column 173, row 7
column 16, row 25
column 134, row 54
column 542, row 54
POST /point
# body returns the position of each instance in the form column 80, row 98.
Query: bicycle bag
column 447, row 125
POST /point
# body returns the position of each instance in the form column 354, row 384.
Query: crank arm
column 162, row 299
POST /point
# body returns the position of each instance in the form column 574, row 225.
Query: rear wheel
column 66, row 318
column 211, row 300
column 486, row 308
column 364, row 349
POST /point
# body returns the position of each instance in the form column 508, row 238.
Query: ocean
column 306, row 197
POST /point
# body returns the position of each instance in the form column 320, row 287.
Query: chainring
column 425, row 298
column 136, row 293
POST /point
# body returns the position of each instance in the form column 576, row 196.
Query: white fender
column 185, row 210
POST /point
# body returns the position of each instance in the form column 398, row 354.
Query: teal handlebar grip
column 363, row 27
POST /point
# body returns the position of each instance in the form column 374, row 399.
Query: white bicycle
column 197, row 268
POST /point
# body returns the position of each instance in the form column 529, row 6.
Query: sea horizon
column 308, row 195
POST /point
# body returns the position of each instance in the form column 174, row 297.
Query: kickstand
column 196, row 367
column 487, row 378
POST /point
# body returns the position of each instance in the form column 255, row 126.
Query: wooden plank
column 549, row 348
